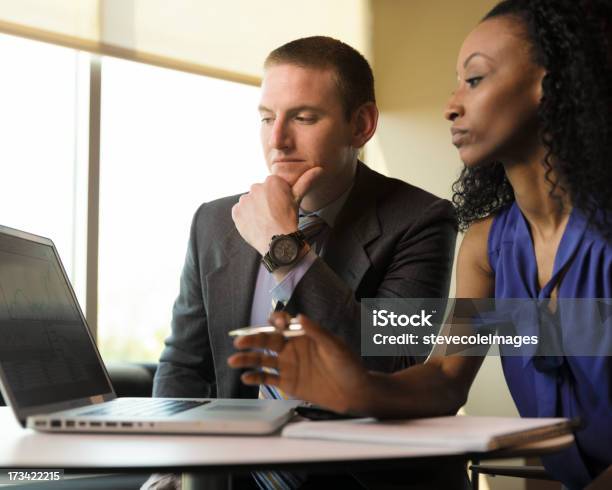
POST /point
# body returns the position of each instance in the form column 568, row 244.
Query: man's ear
column 363, row 122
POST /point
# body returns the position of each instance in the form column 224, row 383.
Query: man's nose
column 280, row 137
column 454, row 107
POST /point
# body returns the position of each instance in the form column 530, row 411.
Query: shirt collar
column 330, row 212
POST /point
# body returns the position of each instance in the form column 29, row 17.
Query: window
column 41, row 156
column 169, row 141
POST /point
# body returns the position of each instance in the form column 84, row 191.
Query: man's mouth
column 287, row 160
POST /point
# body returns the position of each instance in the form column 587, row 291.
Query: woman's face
column 494, row 108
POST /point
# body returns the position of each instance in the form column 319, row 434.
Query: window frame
column 93, row 194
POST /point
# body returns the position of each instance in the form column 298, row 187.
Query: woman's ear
column 539, row 90
column 363, row 122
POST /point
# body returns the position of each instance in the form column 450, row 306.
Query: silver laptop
column 53, row 377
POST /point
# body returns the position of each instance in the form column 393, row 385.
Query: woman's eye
column 473, row 81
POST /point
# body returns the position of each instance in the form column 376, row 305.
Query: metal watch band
column 268, row 263
column 267, row 260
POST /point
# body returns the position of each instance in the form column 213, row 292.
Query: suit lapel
column 230, row 286
column 356, row 226
column 230, row 292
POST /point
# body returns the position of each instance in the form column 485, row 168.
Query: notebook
column 464, row 433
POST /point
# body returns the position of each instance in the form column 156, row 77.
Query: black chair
column 602, row 482
column 527, row 472
column 132, row 379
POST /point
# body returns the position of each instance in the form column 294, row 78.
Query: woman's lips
column 458, row 136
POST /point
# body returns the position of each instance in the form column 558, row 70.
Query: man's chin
column 290, row 172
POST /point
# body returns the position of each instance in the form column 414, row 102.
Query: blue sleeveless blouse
column 570, row 386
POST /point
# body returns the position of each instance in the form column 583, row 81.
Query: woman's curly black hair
column 571, row 39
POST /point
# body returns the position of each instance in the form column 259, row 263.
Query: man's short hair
column 353, row 74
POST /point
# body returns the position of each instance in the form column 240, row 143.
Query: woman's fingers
column 253, row 359
column 270, row 341
column 260, row 378
column 280, row 319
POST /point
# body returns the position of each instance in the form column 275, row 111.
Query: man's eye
column 306, row 119
column 473, row 81
column 266, row 120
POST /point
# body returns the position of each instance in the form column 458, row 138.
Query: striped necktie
column 313, row 227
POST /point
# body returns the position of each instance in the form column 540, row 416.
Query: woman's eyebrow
column 477, row 53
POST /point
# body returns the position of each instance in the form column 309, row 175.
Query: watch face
column 284, row 250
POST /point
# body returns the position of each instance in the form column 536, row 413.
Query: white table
column 23, row 448
column 111, row 453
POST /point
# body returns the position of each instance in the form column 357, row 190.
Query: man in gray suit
column 322, row 231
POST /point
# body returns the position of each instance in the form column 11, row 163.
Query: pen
column 294, row 330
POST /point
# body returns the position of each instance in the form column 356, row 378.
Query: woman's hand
column 317, row 366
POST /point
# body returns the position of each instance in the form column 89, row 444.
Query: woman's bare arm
column 318, row 367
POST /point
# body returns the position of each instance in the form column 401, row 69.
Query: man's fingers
column 260, row 378
column 252, row 359
column 271, row 341
column 305, row 182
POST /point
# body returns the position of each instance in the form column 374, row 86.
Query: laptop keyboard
column 147, row 407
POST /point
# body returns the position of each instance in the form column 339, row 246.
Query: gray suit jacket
column 390, row 239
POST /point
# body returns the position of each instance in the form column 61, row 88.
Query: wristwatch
column 283, row 250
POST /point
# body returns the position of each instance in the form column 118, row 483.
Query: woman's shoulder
column 477, row 234
column 474, row 272
column 485, row 235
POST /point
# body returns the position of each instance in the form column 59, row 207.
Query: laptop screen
column 46, row 353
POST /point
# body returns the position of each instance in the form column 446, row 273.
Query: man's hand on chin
column 271, row 208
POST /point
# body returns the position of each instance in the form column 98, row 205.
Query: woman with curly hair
column 532, row 120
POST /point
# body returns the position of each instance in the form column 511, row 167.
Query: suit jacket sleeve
column 185, row 367
column 420, row 266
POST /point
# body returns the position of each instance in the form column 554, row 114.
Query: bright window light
column 40, row 158
column 169, row 141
